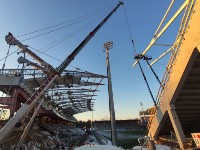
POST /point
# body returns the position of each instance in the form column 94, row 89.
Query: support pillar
column 14, row 103
column 177, row 126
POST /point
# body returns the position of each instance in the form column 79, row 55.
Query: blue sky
column 129, row 89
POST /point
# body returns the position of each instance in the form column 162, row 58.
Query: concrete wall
column 180, row 69
column 6, row 80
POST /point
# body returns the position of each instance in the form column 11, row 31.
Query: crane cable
column 129, row 29
column 139, row 62
column 6, row 57
column 145, row 79
column 44, row 54
column 57, row 40
column 9, row 55
column 154, row 73
column 69, row 35
column 48, row 32
column 75, row 32
column 62, row 39
column 89, row 14
column 65, row 38
column 59, row 28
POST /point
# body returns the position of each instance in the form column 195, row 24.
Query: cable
column 47, row 32
column 68, row 36
column 71, row 34
column 45, row 54
column 9, row 55
column 147, row 84
column 6, row 58
column 129, row 30
column 52, row 31
column 62, row 27
column 146, row 58
column 61, row 40
column 54, row 59
column 64, row 22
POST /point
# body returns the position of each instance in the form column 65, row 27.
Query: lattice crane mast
column 54, row 73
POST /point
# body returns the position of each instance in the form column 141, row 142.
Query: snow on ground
column 92, row 140
column 120, row 135
column 98, row 147
column 158, row 147
column 110, row 147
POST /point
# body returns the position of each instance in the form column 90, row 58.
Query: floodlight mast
column 108, row 46
column 31, row 102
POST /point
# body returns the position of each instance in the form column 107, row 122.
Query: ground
column 126, row 138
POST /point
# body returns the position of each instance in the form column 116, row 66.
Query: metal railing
column 35, row 73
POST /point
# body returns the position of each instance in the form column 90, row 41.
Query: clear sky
column 129, row 89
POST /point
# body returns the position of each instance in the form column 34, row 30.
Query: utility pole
column 108, row 46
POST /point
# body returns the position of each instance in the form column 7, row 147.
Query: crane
column 31, row 102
